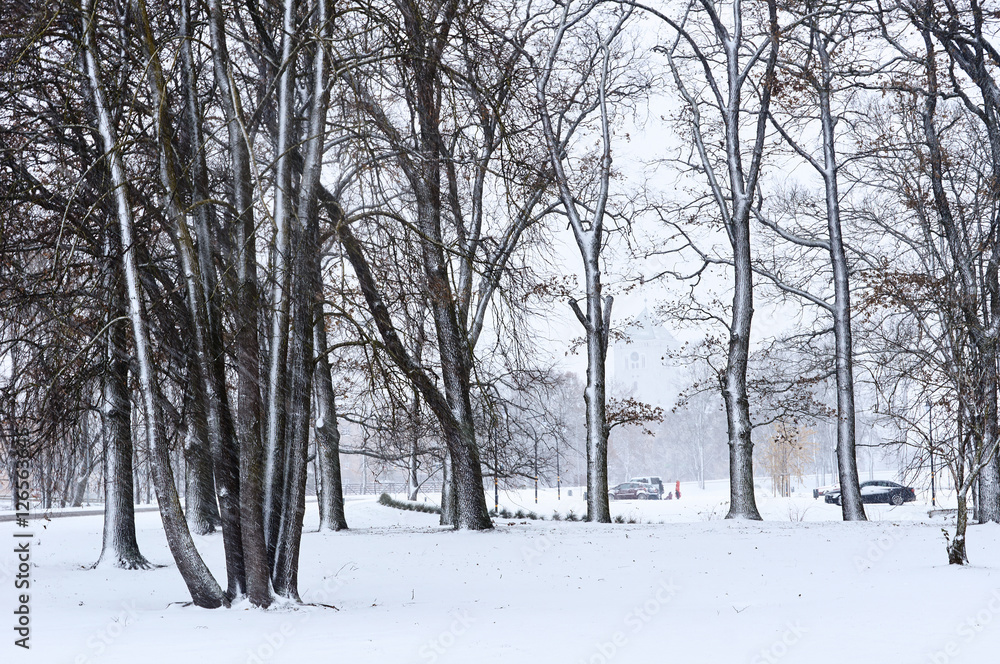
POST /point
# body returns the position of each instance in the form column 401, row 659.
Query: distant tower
column 643, row 368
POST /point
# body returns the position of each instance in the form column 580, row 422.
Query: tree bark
column 449, row 503
column 200, row 508
column 281, row 260
column 956, row 547
column 332, row 515
column 119, row 547
column 851, row 505
column 198, row 270
column 205, row 591
column 596, row 322
column 246, row 339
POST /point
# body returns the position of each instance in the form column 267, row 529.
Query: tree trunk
column 989, row 476
column 851, row 505
column 306, row 300
column 119, row 547
column 200, row 508
column 205, row 591
column 82, row 478
column 277, row 400
column 246, row 338
column 412, row 483
column 332, row 515
column 449, row 504
column 742, row 503
column 956, row 547
column 198, row 268
column 596, row 322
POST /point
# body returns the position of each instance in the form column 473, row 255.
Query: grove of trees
column 226, row 228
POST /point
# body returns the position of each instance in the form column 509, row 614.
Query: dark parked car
column 633, row 490
column 878, row 491
column 655, row 482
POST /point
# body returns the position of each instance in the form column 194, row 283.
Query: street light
column 536, row 470
column 558, row 477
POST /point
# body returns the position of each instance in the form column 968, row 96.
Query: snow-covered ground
column 799, row 587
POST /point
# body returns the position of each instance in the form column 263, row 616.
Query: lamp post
column 930, row 441
column 558, row 477
column 536, row 470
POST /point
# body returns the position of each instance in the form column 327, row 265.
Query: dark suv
column 655, row 482
column 633, row 491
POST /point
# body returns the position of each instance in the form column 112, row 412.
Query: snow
column 695, row 588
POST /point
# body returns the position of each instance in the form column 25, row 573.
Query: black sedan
column 878, row 491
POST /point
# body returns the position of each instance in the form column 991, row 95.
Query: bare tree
column 820, row 36
column 565, row 109
column 725, row 77
column 962, row 30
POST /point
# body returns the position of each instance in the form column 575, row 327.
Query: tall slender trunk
column 284, row 573
column 246, row 337
column 198, row 271
column 742, row 502
column 412, row 482
column 306, row 300
column 281, row 248
column 332, row 515
column 597, row 323
column 119, row 547
column 851, row 505
column 200, row 507
column 587, row 225
column 205, row 591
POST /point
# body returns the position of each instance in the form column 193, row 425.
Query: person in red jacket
column 677, row 490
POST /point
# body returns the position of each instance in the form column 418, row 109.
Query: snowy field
column 799, row 587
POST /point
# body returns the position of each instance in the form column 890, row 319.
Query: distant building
column 643, row 368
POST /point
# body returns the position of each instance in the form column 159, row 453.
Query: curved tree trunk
column 205, row 591
column 198, row 272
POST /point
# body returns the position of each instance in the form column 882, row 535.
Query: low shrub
column 389, row 501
